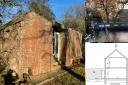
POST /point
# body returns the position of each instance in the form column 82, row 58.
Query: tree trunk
column 107, row 16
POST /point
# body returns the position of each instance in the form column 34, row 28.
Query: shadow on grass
column 70, row 71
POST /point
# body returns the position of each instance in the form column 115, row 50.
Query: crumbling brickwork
column 28, row 44
column 71, row 44
column 74, row 44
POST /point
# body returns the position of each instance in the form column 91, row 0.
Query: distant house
column 32, row 44
column 124, row 15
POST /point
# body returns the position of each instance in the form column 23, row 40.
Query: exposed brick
column 28, row 45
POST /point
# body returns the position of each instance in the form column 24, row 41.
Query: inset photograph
column 42, row 42
column 106, row 21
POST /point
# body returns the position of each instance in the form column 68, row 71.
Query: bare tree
column 4, row 4
column 107, row 9
column 74, row 18
column 9, row 9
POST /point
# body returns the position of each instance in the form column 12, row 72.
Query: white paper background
column 96, row 52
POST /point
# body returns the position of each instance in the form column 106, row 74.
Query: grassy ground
column 75, row 76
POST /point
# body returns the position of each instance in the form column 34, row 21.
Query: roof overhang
column 57, row 27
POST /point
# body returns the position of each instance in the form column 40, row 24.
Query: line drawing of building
column 115, row 71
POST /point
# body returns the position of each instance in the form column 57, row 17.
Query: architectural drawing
column 114, row 72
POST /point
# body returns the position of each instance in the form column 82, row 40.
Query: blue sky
column 60, row 6
column 57, row 6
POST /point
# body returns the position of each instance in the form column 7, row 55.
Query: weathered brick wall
column 29, row 44
column 73, row 49
column 70, row 47
column 9, row 42
column 36, row 44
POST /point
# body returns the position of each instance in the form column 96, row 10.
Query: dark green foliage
column 42, row 8
column 7, row 3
